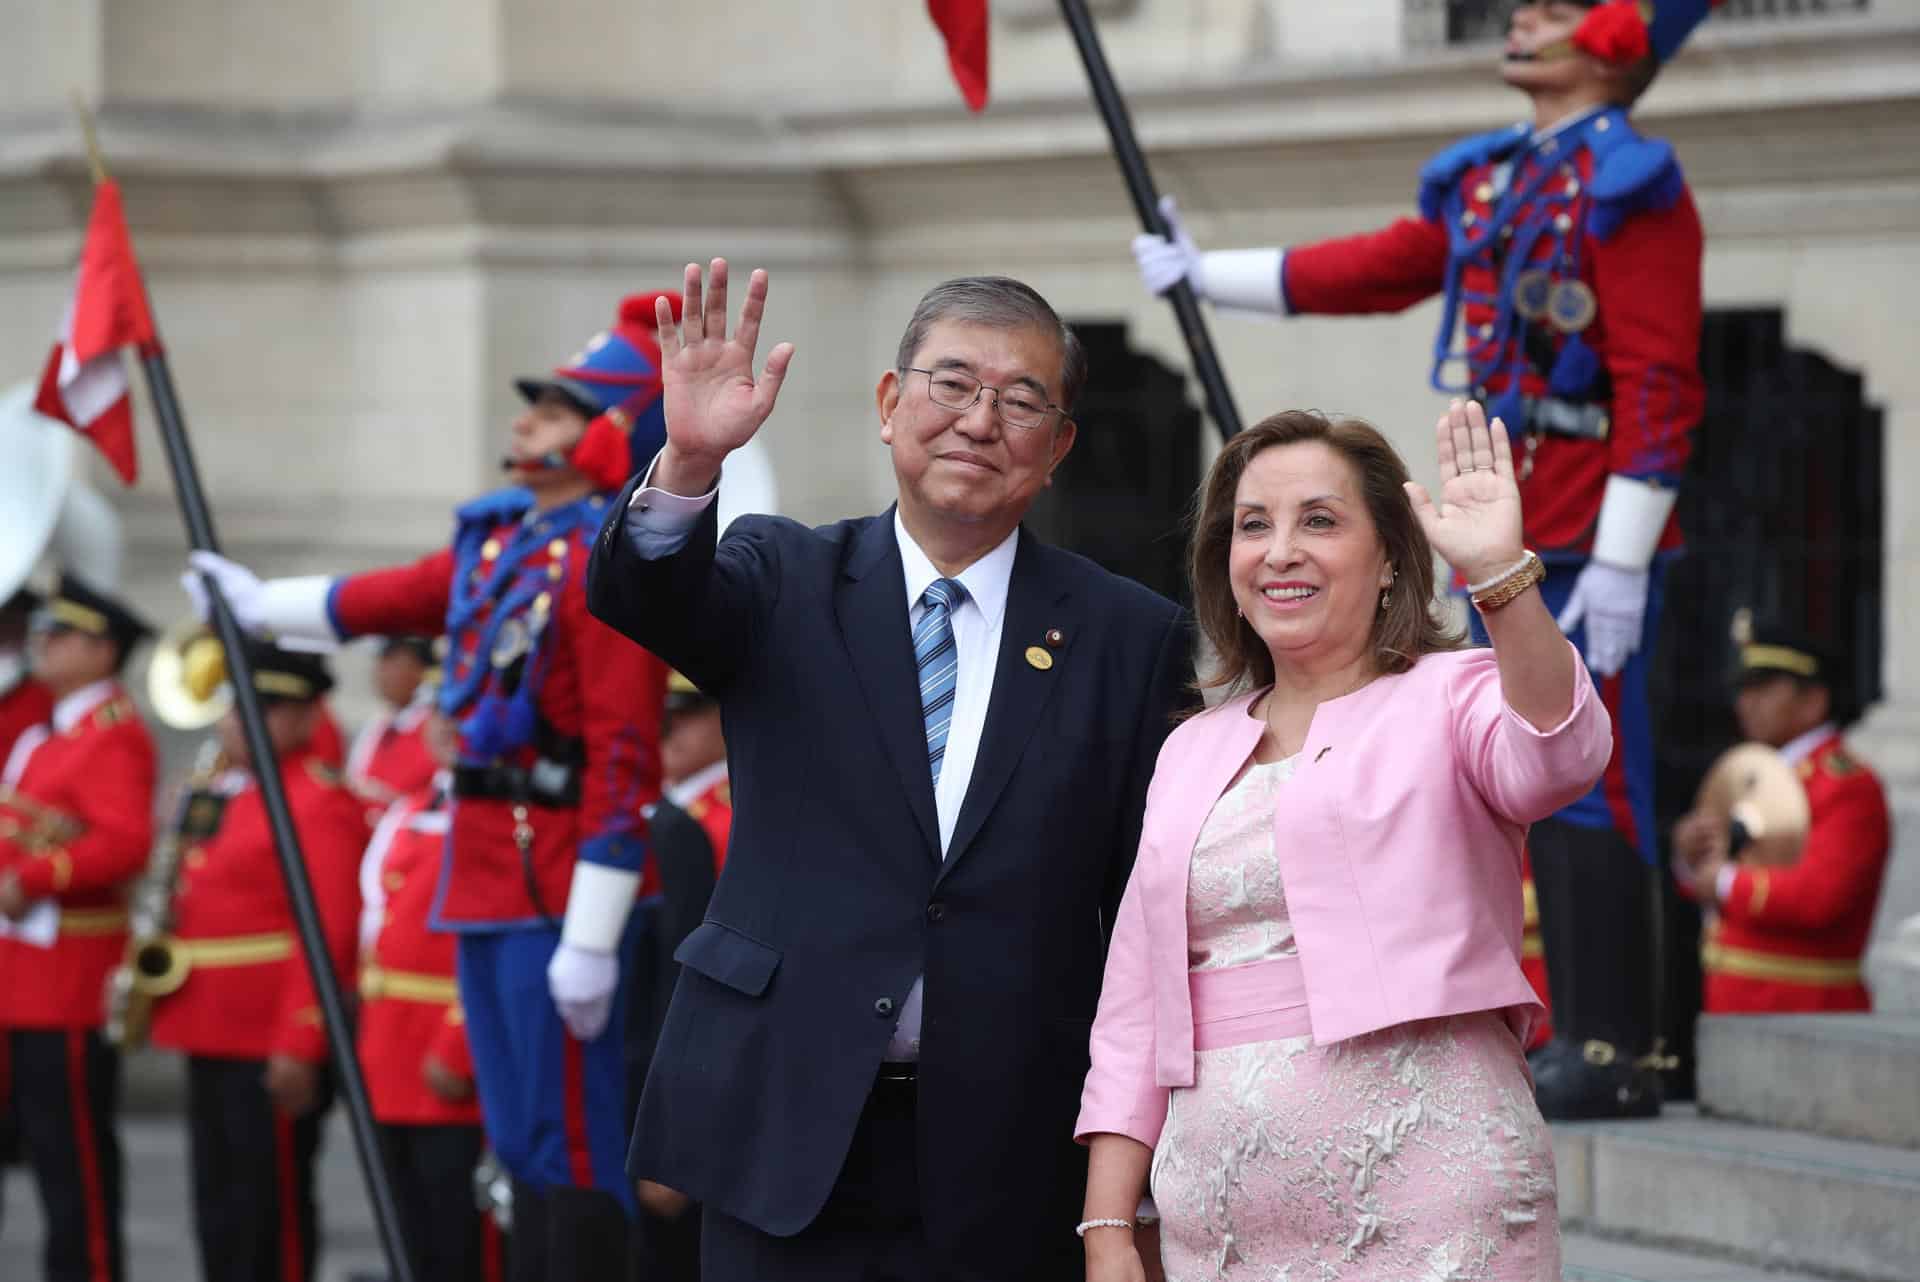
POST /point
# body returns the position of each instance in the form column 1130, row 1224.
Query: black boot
column 1596, row 910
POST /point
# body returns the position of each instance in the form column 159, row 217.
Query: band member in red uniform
column 413, row 1037
column 24, row 699
column 244, row 1013
column 76, row 804
column 390, row 758
column 1568, row 253
column 559, row 721
column 24, row 702
column 1791, row 939
column 693, row 757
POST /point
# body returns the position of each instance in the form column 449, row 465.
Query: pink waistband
column 1253, row 1003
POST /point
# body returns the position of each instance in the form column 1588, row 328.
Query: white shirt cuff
column 658, row 521
column 1723, row 882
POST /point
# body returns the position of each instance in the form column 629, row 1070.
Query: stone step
column 1853, row 1077
column 1584, row 1258
column 1775, row 1198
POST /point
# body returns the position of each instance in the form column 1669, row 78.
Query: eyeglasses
column 953, row 389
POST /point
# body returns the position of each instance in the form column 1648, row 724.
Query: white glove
column 582, row 983
column 242, row 588
column 1163, row 263
column 1613, row 602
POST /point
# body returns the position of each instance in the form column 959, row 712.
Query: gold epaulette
column 1838, row 764
column 323, row 774
column 726, row 792
column 115, row 710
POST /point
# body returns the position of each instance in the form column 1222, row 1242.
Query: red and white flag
column 964, row 24
column 84, row 384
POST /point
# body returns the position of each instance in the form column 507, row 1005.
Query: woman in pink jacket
column 1310, row 1032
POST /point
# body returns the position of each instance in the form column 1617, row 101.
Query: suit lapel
column 1037, row 600
column 871, row 608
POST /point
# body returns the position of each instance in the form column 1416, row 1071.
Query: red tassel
column 602, row 455
column 1614, row 33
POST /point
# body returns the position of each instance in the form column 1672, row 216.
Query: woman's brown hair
column 1409, row 627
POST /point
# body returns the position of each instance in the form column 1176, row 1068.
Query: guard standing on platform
column 559, row 720
column 243, row 1009
column 1791, row 939
column 76, row 805
column 390, row 758
column 1567, row 251
column 413, row 1037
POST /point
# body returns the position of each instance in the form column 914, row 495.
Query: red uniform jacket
column 25, row 704
column 600, row 688
column 101, row 772
column 1791, row 939
column 409, row 1008
column 247, row 993
column 1645, row 279
column 390, row 758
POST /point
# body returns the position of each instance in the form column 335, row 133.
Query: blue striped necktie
column 939, row 664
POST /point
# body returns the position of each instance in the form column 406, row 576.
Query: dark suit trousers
column 869, row 1230
column 65, row 1098
column 254, row 1215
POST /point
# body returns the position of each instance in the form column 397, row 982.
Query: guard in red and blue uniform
column 413, row 1042
column 76, row 803
column 1567, row 251
column 559, row 754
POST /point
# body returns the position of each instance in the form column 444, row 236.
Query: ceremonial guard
column 236, row 997
column 1791, row 938
column 413, row 1037
column 25, row 701
column 1567, row 252
column 390, row 758
column 559, row 720
column 693, row 754
column 76, row 802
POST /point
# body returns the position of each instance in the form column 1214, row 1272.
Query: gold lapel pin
column 1039, row 658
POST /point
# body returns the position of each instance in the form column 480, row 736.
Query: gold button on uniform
column 1039, row 658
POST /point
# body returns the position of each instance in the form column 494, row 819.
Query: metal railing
column 1433, row 23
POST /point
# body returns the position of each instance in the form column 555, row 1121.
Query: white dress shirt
column 658, row 523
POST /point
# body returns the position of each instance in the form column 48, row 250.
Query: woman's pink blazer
column 1399, row 839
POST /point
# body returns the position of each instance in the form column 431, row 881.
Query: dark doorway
column 1121, row 498
column 1783, row 515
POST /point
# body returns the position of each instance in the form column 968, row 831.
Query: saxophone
column 153, row 966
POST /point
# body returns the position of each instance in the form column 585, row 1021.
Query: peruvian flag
column 964, row 24
column 84, row 384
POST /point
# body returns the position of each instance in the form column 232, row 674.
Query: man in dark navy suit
column 940, row 732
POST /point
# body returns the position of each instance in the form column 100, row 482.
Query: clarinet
column 153, row 965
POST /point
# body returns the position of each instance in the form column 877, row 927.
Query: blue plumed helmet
column 615, row 381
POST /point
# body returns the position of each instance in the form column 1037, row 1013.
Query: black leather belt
column 545, row 783
column 1582, row 420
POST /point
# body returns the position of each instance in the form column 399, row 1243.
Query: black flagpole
column 266, row 773
column 1146, row 203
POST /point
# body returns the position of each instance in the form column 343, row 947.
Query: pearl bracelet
column 1081, row 1228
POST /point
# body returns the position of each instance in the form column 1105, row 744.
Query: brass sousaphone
column 1757, row 794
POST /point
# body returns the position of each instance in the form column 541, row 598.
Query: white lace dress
column 1412, row 1154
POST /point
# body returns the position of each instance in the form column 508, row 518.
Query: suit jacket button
column 936, row 912
column 884, row 1007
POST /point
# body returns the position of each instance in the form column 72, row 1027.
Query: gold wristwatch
column 1530, row 571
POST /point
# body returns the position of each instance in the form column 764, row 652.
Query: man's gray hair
column 1002, row 302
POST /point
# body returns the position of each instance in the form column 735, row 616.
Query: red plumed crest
column 637, row 309
column 1615, row 33
column 603, row 454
